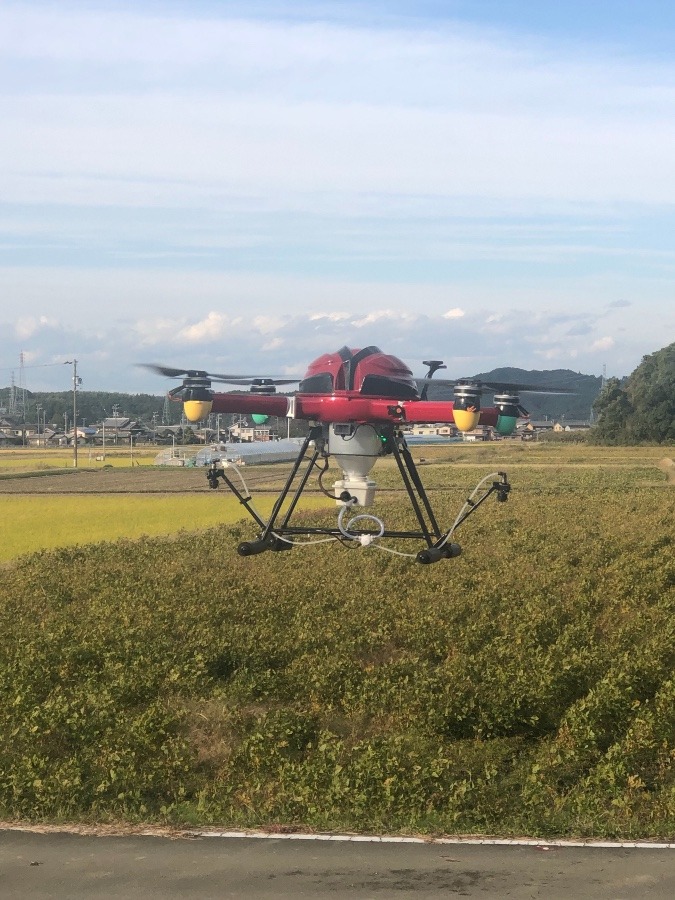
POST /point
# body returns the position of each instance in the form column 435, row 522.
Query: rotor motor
column 508, row 405
column 197, row 398
column 466, row 406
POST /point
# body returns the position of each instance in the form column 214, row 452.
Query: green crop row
column 525, row 687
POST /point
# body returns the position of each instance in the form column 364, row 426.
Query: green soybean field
column 524, row 688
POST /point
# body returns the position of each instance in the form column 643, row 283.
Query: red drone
column 357, row 402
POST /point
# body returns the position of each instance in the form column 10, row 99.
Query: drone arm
column 339, row 408
column 248, row 404
column 489, row 416
column 336, row 408
column 421, row 411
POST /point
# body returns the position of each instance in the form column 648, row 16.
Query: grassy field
column 29, row 459
column 523, row 688
column 45, row 509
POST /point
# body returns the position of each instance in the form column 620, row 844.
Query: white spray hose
column 365, row 539
column 467, row 504
column 460, row 515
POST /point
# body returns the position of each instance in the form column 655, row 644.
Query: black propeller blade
column 255, row 380
column 496, row 385
column 170, row 372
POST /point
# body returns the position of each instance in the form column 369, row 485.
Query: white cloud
column 156, row 331
column 455, row 313
column 329, row 317
column 383, row 315
column 214, row 326
column 273, row 344
column 27, row 326
column 603, row 343
column 223, row 106
column 267, row 324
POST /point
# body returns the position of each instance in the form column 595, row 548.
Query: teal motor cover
column 508, row 406
column 506, row 425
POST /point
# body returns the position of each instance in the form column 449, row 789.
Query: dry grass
column 668, row 466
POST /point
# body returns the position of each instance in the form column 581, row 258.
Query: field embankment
column 525, row 687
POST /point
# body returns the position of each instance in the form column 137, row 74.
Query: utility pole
column 76, row 381
column 12, row 396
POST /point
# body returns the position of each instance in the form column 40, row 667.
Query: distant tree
column 642, row 409
column 189, row 437
column 93, row 406
column 613, row 409
column 651, row 391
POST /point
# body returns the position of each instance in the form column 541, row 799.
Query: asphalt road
column 73, row 866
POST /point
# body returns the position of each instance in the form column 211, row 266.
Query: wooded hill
column 576, row 406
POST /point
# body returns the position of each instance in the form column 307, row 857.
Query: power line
column 41, row 366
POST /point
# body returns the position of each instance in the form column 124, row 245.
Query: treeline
column 640, row 409
column 92, row 406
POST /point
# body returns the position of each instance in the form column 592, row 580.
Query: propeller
column 170, row 372
column 467, row 397
column 495, row 385
column 202, row 376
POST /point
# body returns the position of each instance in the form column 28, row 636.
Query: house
column 571, row 425
column 442, row 428
column 8, row 439
column 121, row 430
column 482, row 433
column 85, row 435
column 247, row 433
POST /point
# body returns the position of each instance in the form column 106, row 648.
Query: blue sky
column 246, row 186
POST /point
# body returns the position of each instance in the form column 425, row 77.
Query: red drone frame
column 356, row 401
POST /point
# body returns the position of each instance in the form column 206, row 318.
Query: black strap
column 355, row 360
column 345, row 355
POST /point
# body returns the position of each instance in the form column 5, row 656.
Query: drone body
column 356, row 401
column 355, row 386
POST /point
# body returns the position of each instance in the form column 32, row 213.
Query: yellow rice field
column 34, row 522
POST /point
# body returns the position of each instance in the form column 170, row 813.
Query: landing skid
column 278, row 534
